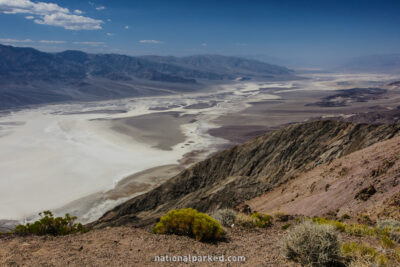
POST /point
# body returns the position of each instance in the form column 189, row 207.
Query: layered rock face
column 243, row 172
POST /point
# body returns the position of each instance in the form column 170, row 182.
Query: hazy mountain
column 385, row 63
column 28, row 76
column 226, row 66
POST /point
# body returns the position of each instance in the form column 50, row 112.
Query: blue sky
column 302, row 33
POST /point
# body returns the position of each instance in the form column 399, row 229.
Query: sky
column 294, row 33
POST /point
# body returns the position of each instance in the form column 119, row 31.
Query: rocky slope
column 366, row 181
column 244, row 172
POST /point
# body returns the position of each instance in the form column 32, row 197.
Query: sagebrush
column 356, row 253
column 225, row 216
column 311, row 245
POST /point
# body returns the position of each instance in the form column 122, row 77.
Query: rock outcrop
column 246, row 171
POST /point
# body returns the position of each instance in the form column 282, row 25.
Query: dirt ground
column 127, row 246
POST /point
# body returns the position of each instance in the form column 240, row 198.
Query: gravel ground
column 127, row 246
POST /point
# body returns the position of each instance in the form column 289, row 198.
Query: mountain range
column 383, row 63
column 29, row 76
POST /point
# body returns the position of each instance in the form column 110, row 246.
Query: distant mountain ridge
column 29, row 76
column 227, row 66
column 384, row 63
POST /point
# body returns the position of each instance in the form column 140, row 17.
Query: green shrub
column 391, row 224
column 355, row 252
column 345, row 216
column 286, row 226
column 191, row 223
column 339, row 226
column 225, row 216
column 364, row 219
column 262, row 220
column 397, row 254
column 311, row 245
column 386, row 242
column 351, row 229
column 245, row 220
column 281, row 217
column 359, row 230
column 48, row 225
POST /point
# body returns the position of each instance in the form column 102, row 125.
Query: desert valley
column 199, row 133
column 108, row 143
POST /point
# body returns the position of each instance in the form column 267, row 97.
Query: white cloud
column 27, row 6
column 29, row 17
column 70, row 22
column 50, row 14
column 78, row 12
column 150, row 42
column 204, row 44
column 89, row 43
column 127, row 27
column 8, row 40
column 51, row 42
column 109, row 34
column 108, row 20
column 100, row 8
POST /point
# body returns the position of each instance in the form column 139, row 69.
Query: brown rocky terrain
column 366, row 181
column 127, row 246
column 246, row 171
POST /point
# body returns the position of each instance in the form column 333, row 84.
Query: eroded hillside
column 366, row 181
column 244, row 172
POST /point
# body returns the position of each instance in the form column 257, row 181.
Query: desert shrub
column 311, row 245
column 386, row 242
column 345, row 216
column 397, row 254
column 364, row 219
column 191, row 223
column 246, row 220
column 48, row 225
column 339, row 226
column 225, row 216
column 394, row 234
column 281, row 217
column 389, row 228
column 206, row 228
column 357, row 253
column 286, row 226
column 351, row 229
column 360, row 262
column 359, row 230
column 391, row 224
column 262, row 220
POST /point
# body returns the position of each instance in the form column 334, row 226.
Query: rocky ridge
column 246, row 171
